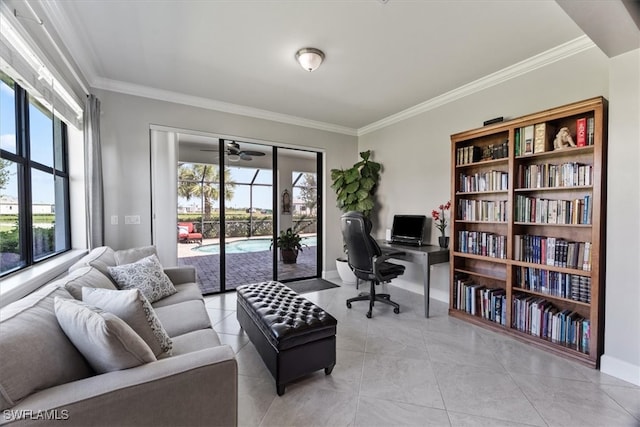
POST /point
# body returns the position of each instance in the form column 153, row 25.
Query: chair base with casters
column 372, row 297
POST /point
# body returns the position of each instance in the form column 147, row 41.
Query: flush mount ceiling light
column 310, row 58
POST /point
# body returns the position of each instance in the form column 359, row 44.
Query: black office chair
column 367, row 260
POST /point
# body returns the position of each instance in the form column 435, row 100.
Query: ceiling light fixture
column 309, row 58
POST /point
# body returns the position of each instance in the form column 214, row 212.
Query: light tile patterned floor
column 405, row 370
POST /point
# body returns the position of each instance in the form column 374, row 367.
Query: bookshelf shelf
column 550, row 296
column 558, row 154
column 558, row 309
column 552, row 189
column 484, row 163
column 546, row 224
column 481, row 257
column 471, row 193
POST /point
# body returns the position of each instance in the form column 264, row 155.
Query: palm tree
column 203, row 180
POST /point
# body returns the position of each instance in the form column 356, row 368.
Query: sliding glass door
column 234, row 198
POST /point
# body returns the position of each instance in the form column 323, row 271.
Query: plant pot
column 345, row 272
column 443, row 241
column 289, row 256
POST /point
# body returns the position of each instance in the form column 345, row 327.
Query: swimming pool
column 247, row 245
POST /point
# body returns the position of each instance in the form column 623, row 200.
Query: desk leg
column 427, row 286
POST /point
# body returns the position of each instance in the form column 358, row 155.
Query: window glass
column 43, row 213
column 40, row 133
column 7, row 115
column 11, row 254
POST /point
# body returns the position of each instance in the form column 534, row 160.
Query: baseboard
column 330, row 275
column 620, row 369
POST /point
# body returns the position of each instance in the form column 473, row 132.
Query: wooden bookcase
column 522, row 223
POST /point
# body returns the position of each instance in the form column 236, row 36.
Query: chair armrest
column 191, row 389
column 179, row 275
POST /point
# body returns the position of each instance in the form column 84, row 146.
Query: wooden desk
column 424, row 255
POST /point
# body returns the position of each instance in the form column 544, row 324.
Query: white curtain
column 93, row 165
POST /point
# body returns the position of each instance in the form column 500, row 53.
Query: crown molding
column 543, row 59
column 210, row 104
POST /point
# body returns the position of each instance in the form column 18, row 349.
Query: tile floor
column 405, row 370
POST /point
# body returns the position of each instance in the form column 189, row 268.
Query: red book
column 581, row 132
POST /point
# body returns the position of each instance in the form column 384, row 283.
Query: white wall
column 125, row 122
column 622, row 313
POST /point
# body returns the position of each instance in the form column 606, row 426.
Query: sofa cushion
column 183, row 317
column 84, row 277
column 105, row 340
column 128, row 256
column 146, row 275
column 103, row 253
column 186, row 292
column 194, row 341
column 35, row 352
column 132, row 307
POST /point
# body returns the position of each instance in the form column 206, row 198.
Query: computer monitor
column 409, row 229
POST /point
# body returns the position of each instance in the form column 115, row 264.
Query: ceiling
column 381, row 58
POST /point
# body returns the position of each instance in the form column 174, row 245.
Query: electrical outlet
column 114, row 219
column 132, row 219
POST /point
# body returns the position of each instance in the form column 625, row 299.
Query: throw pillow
column 127, row 256
column 85, row 276
column 146, row 275
column 105, row 340
column 134, row 308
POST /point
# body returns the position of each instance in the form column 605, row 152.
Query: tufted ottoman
column 294, row 336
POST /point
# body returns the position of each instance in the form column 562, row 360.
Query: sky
column 41, row 129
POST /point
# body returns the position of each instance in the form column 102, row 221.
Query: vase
column 443, row 241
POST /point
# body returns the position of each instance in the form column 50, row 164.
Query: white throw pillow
column 147, row 275
column 105, row 340
column 134, row 308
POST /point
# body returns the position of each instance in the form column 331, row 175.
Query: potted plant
column 441, row 223
column 355, row 189
column 289, row 243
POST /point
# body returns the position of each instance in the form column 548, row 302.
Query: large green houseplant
column 356, row 187
column 355, row 191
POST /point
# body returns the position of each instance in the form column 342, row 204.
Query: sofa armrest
column 198, row 388
column 179, row 275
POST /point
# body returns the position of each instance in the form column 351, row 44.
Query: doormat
column 310, row 285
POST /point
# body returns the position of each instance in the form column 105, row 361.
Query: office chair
column 367, row 260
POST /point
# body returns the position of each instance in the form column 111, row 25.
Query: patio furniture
column 187, row 233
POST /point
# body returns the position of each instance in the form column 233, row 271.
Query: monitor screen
column 408, row 226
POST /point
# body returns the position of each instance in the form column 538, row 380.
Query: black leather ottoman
column 294, row 336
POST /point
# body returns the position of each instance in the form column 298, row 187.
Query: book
column 590, row 130
column 528, row 139
column 540, row 138
column 581, row 132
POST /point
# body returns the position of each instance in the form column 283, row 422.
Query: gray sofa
column 45, row 379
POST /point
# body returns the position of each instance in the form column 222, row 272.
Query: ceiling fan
column 235, row 153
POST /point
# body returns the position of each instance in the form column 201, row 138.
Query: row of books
column 477, row 300
column 482, row 210
column 538, row 317
column 563, row 285
column 552, row 251
column 472, row 153
column 487, row 181
column 539, row 138
column 547, row 211
column 570, row 174
column 482, row 243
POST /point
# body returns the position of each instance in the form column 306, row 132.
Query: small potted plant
column 289, row 243
column 440, row 219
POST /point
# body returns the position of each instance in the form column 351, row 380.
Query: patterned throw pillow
column 133, row 307
column 146, row 275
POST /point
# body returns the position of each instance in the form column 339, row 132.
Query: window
column 34, row 180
